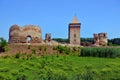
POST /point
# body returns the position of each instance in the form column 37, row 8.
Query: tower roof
column 74, row 20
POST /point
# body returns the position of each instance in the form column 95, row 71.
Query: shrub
column 34, row 51
column 74, row 49
column 60, row 49
column 67, row 50
column 45, row 48
column 6, row 56
column 29, row 46
column 40, row 48
column 17, row 55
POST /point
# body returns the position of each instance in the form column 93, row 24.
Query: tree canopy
column 3, row 44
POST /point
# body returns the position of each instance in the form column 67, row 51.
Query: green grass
column 59, row 67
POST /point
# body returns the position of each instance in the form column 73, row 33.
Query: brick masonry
column 19, row 34
column 100, row 39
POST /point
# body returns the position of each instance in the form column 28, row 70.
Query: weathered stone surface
column 100, row 39
column 48, row 37
column 19, row 34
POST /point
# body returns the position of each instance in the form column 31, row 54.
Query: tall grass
column 100, row 52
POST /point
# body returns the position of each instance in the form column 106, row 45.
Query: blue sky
column 53, row 16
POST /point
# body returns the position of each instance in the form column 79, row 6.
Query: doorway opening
column 28, row 39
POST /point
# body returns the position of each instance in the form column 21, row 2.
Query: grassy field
column 58, row 67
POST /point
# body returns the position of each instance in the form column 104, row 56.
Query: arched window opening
column 28, row 39
column 74, row 35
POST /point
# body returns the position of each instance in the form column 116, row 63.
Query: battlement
column 103, row 35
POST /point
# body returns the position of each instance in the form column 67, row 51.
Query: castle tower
column 74, row 31
column 100, row 39
column 96, row 39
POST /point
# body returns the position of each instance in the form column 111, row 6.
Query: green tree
column 61, row 40
column 3, row 45
column 114, row 42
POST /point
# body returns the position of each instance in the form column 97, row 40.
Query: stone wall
column 25, row 34
column 48, row 37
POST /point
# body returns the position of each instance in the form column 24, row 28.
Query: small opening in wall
column 28, row 39
column 74, row 40
column 74, row 35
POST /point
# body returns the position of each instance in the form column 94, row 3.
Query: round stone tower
column 26, row 34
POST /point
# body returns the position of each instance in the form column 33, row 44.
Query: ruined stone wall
column 48, row 37
column 100, row 39
column 19, row 34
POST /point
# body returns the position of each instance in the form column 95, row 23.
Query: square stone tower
column 74, row 31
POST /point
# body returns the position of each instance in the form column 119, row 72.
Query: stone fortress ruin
column 100, row 39
column 26, row 34
column 31, row 34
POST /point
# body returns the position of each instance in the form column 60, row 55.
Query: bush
column 29, row 46
column 100, row 52
column 60, row 49
column 40, row 48
column 34, row 51
column 67, row 50
column 17, row 55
